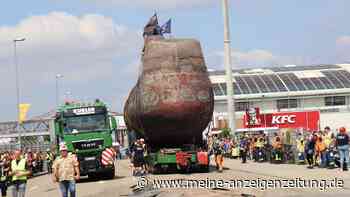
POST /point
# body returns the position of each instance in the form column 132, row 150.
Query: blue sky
column 95, row 44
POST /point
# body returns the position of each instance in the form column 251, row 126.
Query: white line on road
column 33, row 188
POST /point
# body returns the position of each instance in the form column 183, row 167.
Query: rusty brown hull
column 172, row 102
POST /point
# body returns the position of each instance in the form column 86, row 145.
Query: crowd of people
column 34, row 163
column 320, row 148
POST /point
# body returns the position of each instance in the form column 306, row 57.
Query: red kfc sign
column 308, row 120
column 276, row 119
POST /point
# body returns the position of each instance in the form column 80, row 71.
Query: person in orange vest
column 321, row 151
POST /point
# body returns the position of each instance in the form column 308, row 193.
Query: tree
column 226, row 132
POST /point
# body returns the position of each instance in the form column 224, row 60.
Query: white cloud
column 253, row 57
column 342, row 49
column 59, row 41
column 95, row 54
column 256, row 58
column 155, row 4
column 343, row 41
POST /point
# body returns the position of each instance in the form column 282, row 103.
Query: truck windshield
column 85, row 123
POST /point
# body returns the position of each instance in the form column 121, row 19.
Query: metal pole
column 228, row 68
column 57, row 92
column 17, row 95
column 58, row 76
column 17, row 90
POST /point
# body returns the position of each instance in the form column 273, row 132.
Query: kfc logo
column 283, row 119
column 253, row 116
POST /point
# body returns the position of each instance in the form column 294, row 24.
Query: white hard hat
column 63, row 147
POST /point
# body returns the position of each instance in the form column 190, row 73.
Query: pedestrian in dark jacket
column 342, row 143
column 310, row 150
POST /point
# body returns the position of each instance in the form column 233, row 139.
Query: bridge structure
column 36, row 132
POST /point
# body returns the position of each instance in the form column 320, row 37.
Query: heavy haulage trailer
column 172, row 104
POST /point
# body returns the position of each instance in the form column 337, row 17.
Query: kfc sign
column 283, row 119
column 308, row 120
column 253, row 117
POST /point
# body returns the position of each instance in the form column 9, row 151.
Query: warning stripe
column 107, row 156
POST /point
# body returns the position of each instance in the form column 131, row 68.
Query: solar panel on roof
column 336, row 82
column 236, row 89
column 281, row 69
column 327, row 83
column 300, row 85
column 242, row 85
column 269, row 82
column 252, row 86
column 318, row 83
column 289, row 83
column 301, row 68
column 279, row 84
column 345, row 73
column 262, row 86
column 341, row 77
column 309, row 84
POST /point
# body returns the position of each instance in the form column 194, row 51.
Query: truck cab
column 86, row 129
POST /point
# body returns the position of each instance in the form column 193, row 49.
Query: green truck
column 86, row 129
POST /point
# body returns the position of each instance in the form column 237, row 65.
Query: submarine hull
column 172, row 102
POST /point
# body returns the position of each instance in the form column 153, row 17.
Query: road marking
column 101, row 182
column 33, row 188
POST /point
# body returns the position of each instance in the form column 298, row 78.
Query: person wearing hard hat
column 342, row 144
column 19, row 172
column 66, row 172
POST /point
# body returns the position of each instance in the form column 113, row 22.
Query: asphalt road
column 121, row 186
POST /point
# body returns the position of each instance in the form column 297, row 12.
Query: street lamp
column 17, row 88
column 67, row 96
column 58, row 76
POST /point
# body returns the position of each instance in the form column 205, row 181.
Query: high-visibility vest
column 21, row 166
column 3, row 177
column 259, row 144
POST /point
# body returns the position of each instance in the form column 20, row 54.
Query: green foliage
column 226, row 132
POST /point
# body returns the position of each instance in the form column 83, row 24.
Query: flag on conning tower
column 152, row 27
column 153, row 21
column 166, row 28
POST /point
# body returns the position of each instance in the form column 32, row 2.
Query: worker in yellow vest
column 19, row 172
column 259, row 149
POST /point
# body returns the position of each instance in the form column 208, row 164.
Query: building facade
column 289, row 88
